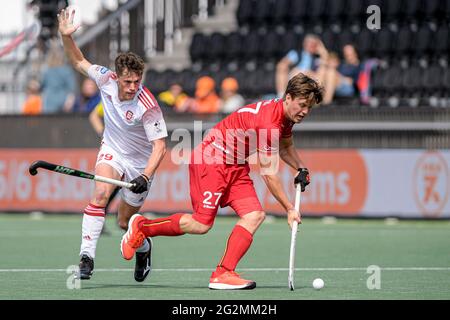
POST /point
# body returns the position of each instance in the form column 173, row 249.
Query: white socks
column 93, row 221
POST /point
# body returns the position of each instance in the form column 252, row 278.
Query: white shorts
column 109, row 156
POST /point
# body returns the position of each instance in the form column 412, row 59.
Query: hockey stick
column 293, row 239
column 76, row 173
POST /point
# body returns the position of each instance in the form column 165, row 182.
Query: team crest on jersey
column 129, row 115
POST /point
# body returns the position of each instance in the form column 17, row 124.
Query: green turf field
column 414, row 257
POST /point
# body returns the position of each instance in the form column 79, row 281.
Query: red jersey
column 255, row 127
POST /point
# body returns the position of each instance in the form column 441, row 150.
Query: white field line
column 242, row 269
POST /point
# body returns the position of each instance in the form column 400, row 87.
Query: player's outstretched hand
column 302, row 177
column 65, row 22
column 140, row 184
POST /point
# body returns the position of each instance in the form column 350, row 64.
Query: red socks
column 237, row 245
column 169, row 226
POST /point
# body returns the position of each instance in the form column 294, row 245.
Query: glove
column 302, row 177
column 140, row 184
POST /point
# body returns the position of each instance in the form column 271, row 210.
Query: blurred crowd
column 341, row 74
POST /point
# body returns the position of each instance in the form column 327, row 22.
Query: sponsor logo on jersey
column 103, row 70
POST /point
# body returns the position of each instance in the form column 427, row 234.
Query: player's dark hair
column 129, row 61
column 302, row 86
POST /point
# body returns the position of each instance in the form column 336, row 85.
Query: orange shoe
column 230, row 280
column 133, row 238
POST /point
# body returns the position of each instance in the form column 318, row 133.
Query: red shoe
column 230, row 280
column 133, row 238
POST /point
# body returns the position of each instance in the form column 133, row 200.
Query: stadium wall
column 344, row 182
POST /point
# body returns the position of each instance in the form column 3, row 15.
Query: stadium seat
column 422, row 41
column 233, row 45
column 317, row 10
column 280, row 12
column 245, row 12
column 271, row 48
column 364, row 42
column 433, row 81
column 216, row 50
column 383, row 43
column 252, row 42
column 199, row 47
column 393, row 81
column 289, row 41
column 412, row 81
column 263, row 12
column 447, row 11
column 392, row 11
column 403, row 41
column 434, row 10
column 413, row 10
column 335, row 11
column 441, row 43
column 355, row 10
column 298, row 12
column 378, row 83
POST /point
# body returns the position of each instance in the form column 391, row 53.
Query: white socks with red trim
column 93, row 221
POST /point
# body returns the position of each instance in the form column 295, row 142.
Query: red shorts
column 214, row 185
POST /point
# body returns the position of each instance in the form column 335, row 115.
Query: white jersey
column 130, row 126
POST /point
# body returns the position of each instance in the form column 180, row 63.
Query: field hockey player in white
column 132, row 148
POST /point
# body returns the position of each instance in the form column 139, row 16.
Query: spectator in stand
column 89, row 97
column 174, row 98
column 57, row 84
column 206, row 99
column 231, row 99
column 305, row 62
column 340, row 79
column 33, row 103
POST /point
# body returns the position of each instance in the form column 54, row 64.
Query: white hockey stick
column 298, row 192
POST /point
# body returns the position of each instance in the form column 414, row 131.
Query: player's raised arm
column 66, row 29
